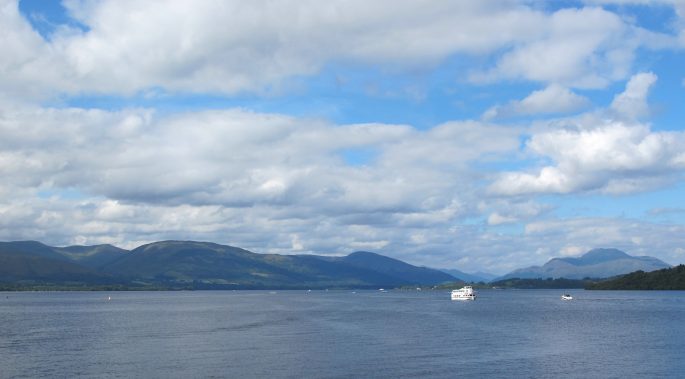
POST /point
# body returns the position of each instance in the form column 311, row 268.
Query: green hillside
column 23, row 267
column 220, row 265
column 666, row 279
column 203, row 265
column 92, row 256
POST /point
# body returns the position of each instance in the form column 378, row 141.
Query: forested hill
column 667, row 279
column 199, row 265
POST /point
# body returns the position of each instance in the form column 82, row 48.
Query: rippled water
column 341, row 334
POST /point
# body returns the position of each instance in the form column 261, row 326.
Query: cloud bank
column 125, row 47
column 562, row 112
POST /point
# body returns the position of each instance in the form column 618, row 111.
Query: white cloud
column 599, row 154
column 233, row 176
column 580, row 48
column 229, row 47
column 276, row 183
column 552, row 99
column 498, row 219
column 25, row 64
column 512, row 211
column 611, row 158
column 632, row 103
column 273, row 183
column 678, row 26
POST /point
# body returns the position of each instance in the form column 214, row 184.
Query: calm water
column 340, row 334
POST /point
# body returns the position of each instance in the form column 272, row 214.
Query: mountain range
column 189, row 264
column 476, row 277
column 596, row 263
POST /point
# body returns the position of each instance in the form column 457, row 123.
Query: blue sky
column 484, row 135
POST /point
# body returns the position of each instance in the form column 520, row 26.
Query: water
column 341, row 334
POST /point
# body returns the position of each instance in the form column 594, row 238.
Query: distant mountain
column 471, row 278
column 597, row 263
column 559, row 283
column 393, row 268
column 89, row 256
column 666, row 279
column 485, row 275
column 92, row 256
column 32, row 248
column 201, row 261
column 42, row 266
column 188, row 264
column 186, row 261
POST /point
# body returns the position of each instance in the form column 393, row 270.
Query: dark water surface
column 341, row 334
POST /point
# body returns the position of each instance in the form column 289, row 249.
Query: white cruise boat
column 464, row 293
column 566, row 297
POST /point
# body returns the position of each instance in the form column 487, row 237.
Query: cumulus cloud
column 632, row 103
column 552, row 99
column 581, row 48
column 229, row 47
column 507, row 212
column 234, row 176
column 606, row 155
column 275, row 183
column 612, row 158
column 678, row 25
column 27, row 68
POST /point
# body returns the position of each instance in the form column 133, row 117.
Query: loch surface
column 342, row 334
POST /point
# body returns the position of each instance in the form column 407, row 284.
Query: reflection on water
column 341, row 334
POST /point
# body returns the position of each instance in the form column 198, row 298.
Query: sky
column 481, row 135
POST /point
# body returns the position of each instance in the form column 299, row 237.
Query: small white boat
column 464, row 293
column 566, row 297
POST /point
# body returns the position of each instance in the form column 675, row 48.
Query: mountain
column 665, row 279
column 182, row 261
column 21, row 267
column 470, row 278
column 36, row 262
column 402, row 272
column 597, row 263
column 32, row 248
column 92, row 256
column 485, row 275
column 219, row 265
